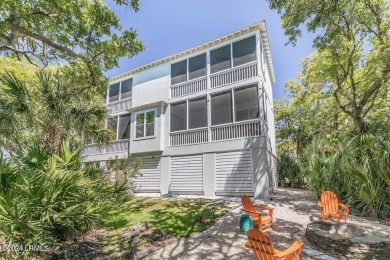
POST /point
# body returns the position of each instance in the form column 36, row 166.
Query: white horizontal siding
column 148, row 178
column 186, row 173
column 233, row 172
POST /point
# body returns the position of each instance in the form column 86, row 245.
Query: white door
column 233, row 173
column 148, row 179
column 187, row 174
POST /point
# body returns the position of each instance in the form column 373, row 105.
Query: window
column 220, row 59
column 221, row 108
column 113, row 94
column 197, row 113
column 244, row 51
column 179, row 72
column 179, row 116
column 197, row 66
column 246, row 104
column 120, row 90
column 145, row 124
column 126, row 88
column 124, row 127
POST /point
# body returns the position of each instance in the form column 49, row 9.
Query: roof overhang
column 257, row 26
column 146, row 106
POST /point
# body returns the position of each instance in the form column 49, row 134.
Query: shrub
column 356, row 166
column 54, row 199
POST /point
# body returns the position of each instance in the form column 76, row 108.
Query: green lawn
column 176, row 217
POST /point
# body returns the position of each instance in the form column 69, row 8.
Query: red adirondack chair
column 330, row 206
column 258, row 219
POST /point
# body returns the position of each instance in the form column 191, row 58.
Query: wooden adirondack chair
column 258, row 219
column 330, row 206
column 263, row 249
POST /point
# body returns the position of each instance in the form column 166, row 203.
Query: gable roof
column 257, row 26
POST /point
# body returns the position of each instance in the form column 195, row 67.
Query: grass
column 175, row 217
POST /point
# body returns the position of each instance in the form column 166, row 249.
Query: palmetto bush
column 47, row 199
column 356, row 166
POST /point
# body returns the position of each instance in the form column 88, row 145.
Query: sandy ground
column 293, row 210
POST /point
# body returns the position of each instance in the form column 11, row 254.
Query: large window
column 244, row 51
column 120, row 90
column 197, row 66
column 179, row 116
column 120, row 125
column 179, row 72
column 246, row 103
column 221, row 108
column 197, row 113
column 245, row 106
column 220, row 59
column 145, row 124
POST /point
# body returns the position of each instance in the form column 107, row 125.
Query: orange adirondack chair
column 263, row 249
column 262, row 221
column 330, row 206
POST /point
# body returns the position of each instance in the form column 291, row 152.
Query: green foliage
column 52, row 107
column 355, row 166
column 352, row 62
column 289, row 172
column 43, row 32
column 48, row 199
column 336, row 123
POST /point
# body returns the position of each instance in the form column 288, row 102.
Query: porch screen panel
column 246, row 103
column 197, row 113
column 113, row 94
column 126, row 88
column 220, row 59
column 124, row 127
column 221, row 108
column 178, row 116
column 179, row 72
column 197, row 66
column 244, row 51
column 112, row 124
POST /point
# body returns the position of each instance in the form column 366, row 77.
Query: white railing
column 92, row 149
column 189, row 137
column 233, row 75
column 189, row 87
column 120, row 105
column 117, row 146
column 233, row 131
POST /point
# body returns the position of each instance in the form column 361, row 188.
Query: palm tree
column 51, row 109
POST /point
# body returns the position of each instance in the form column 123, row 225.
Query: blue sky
column 170, row 26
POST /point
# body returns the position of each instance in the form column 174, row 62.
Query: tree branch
column 57, row 46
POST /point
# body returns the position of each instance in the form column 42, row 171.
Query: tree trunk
column 359, row 123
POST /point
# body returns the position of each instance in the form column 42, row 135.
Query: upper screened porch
column 220, row 66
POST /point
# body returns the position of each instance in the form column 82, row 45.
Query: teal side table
column 246, row 223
